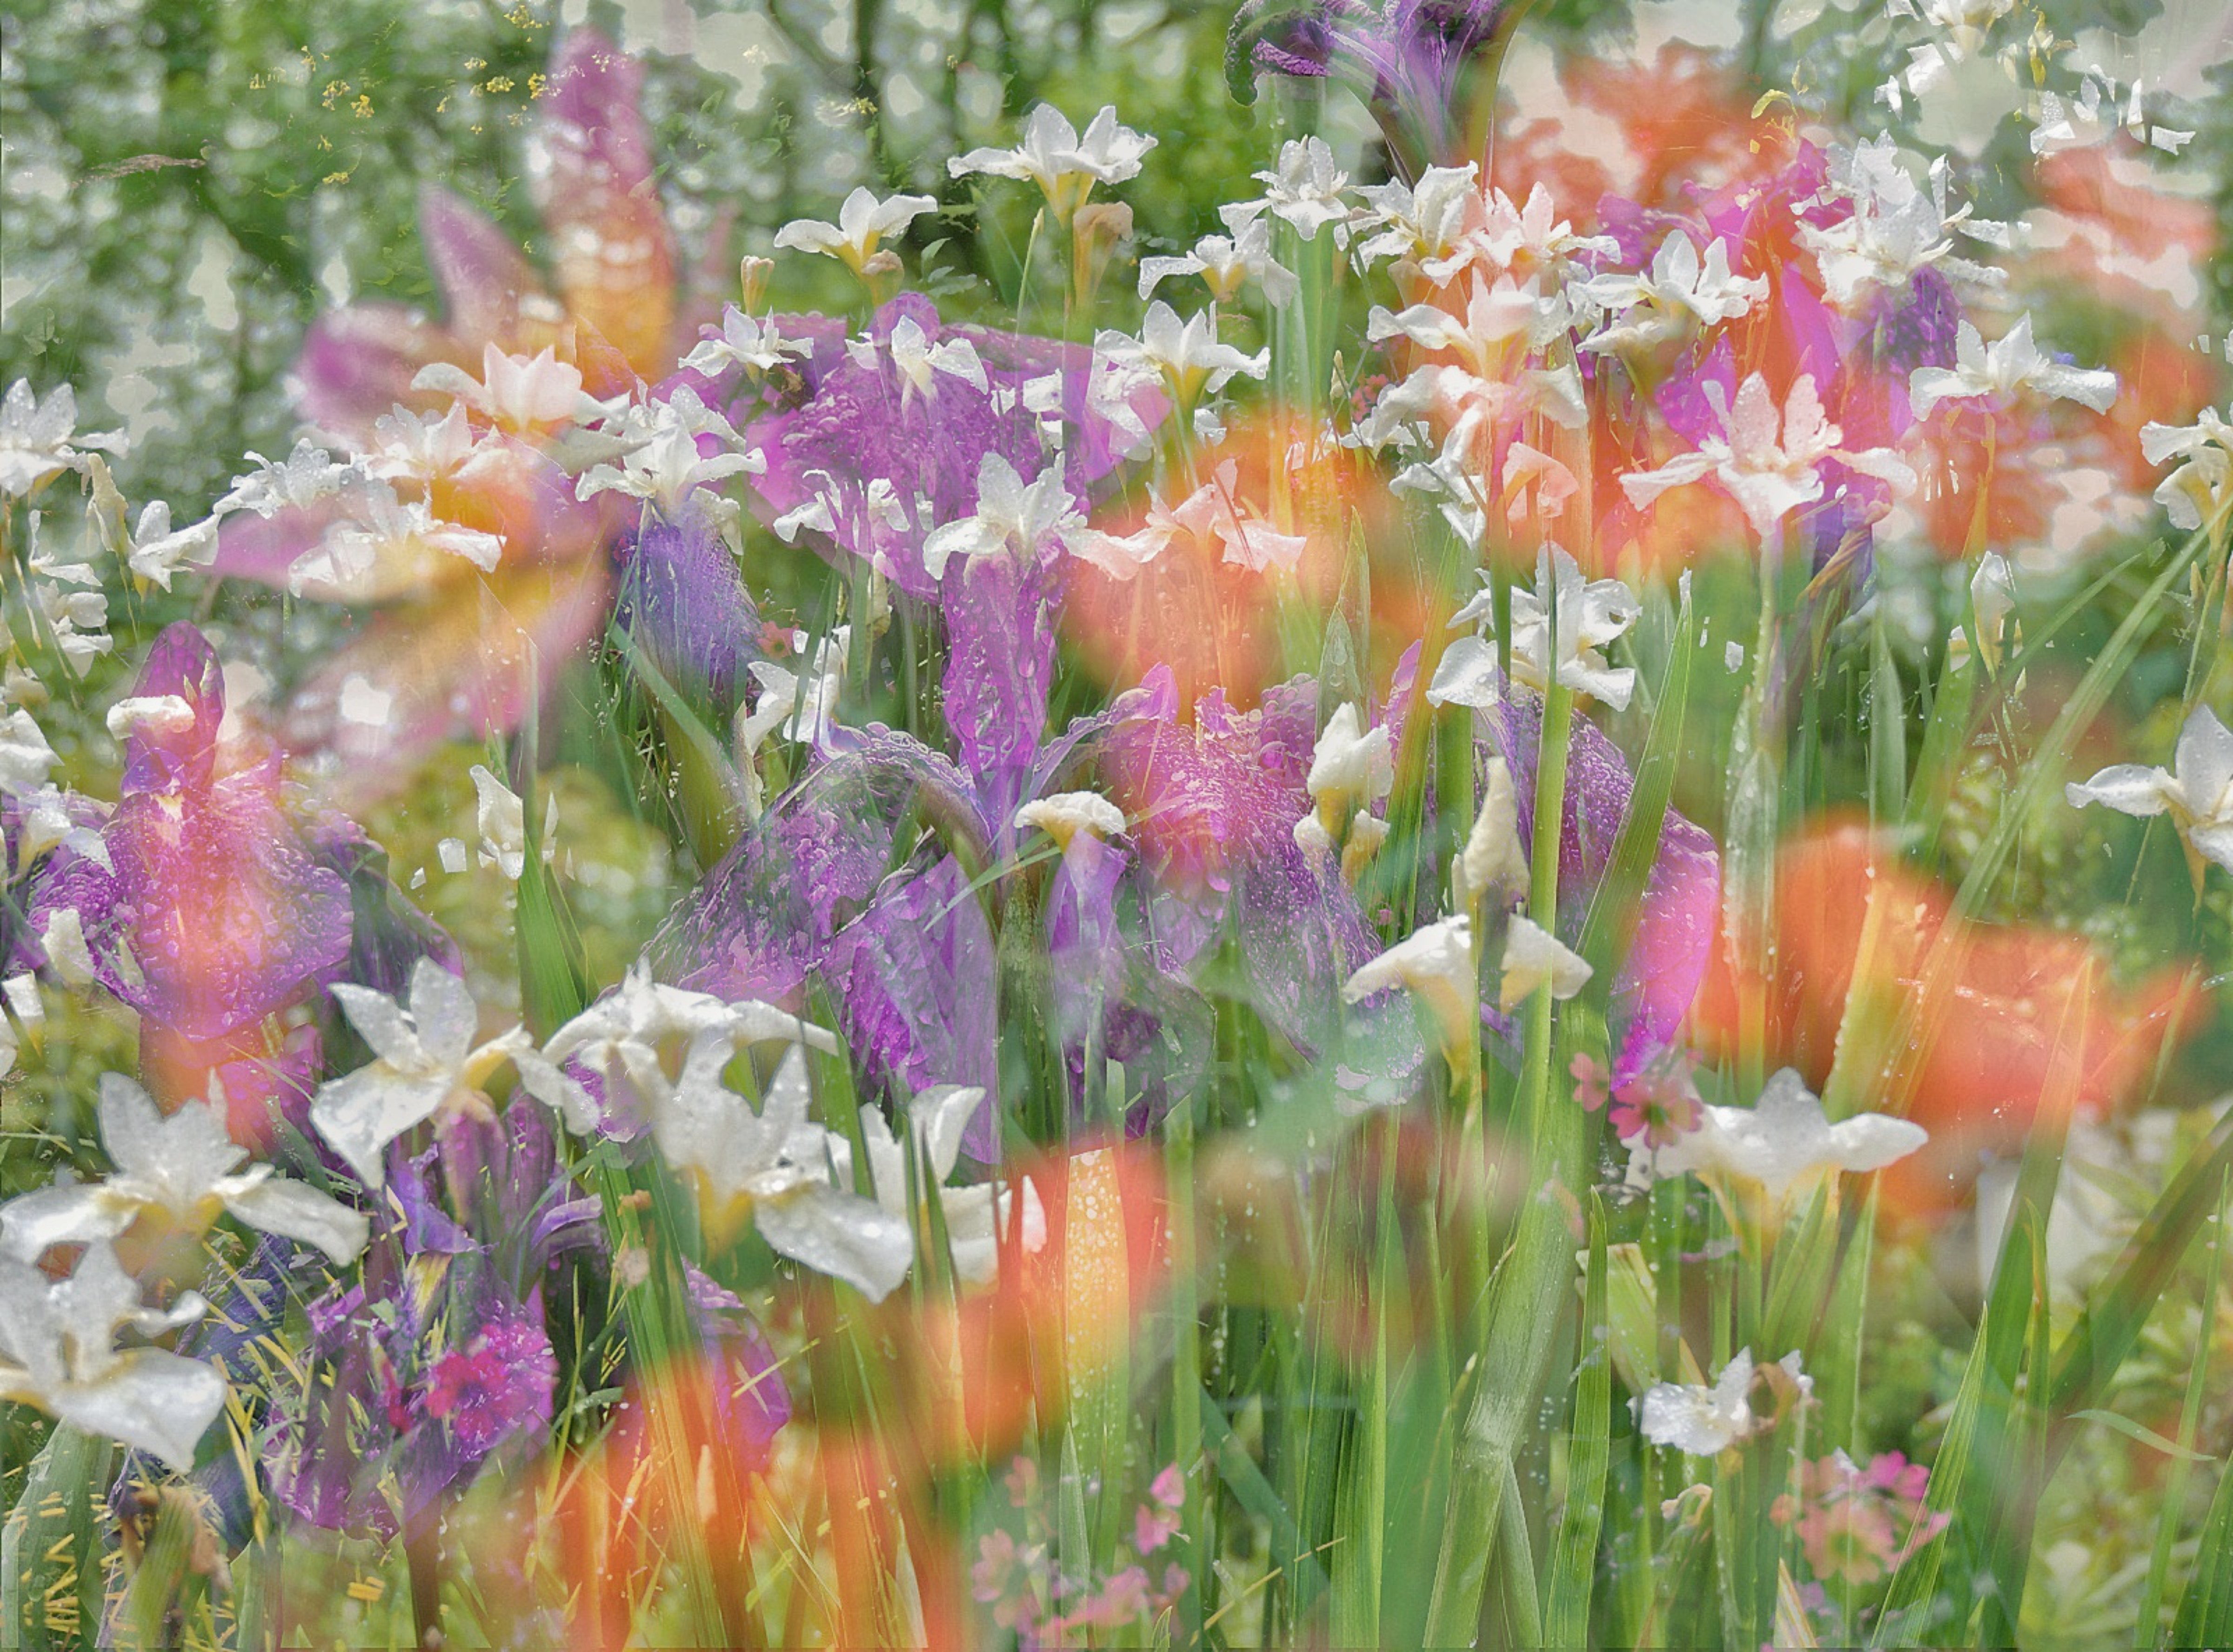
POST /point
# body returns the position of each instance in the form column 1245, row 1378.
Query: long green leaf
column 2110, row 1326
column 1573, row 1564
column 1246, row 1480
column 2206, row 1613
column 2149, row 1618
column 2042, row 773
column 50, row 1553
column 1619, row 895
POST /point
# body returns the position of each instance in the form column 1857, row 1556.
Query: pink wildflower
column 1589, row 1081
column 1153, row 1528
column 1657, row 1106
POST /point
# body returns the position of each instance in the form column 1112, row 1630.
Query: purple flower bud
column 213, row 912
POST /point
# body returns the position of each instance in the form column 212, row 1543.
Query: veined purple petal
column 757, row 926
column 1214, row 809
column 999, row 619
column 1676, row 924
column 181, row 665
column 1672, row 944
column 214, row 914
column 1682, row 396
column 684, row 603
column 482, row 272
column 498, row 1384
column 918, row 988
column 753, row 1405
column 389, row 934
column 893, row 462
column 357, row 363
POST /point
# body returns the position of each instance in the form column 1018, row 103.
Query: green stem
column 1186, row 1373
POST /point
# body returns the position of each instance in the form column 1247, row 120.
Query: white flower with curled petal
column 636, row 1039
column 1182, row 358
column 46, row 821
column 1010, row 511
column 1253, row 543
column 179, row 1173
column 2010, row 363
column 806, row 706
column 1496, row 314
column 157, row 716
column 1559, row 630
column 1123, row 555
column 1064, row 166
column 919, row 361
column 976, row 1216
column 303, row 478
column 1493, row 860
column 1350, row 772
column 25, row 756
column 1305, row 189
column 1896, row 228
column 520, row 394
column 423, row 1062
column 1770, row 472
column 360, row 554
column 76, row 620
column 1215, row 510
column 863, row 222
column 62, row 940
column 39, row 438
column 423, row 448
column 1698, row 1420
column 500, row 816
column 749, row 341
column 667, row 468
column 159, row 551
column 1225, row 263
column 777, row 1167
column 2077, row 123
column 1535, row 235
column 1063, row 815
column 58, row 1352
column 2197, row 792
column 1350, row 769
column 1785, row 1145
column 2201, row 489
column 1534, row 958
column 1678, row 293
column 1435, row 962
column 1424, row 222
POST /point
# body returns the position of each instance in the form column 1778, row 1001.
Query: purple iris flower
column 1677, row 918
column 892, row 460
column 1214, row 807
column 1424, row 67
column 214, row 910
column 820, row 890
column 437, row 1358
column 684, row 603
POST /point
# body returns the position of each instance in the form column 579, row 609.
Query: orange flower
column 1999, row 1023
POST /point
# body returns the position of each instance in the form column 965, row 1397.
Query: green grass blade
column 2149, row 1621
column 1573, row 1565
column 1619, row 895
column 50, row 1549
column 2110, row 1326
column 1523, row 1316
column 2205, row 1614
column 1246, row 1480
column 1887, row 727
column 2042, row 770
